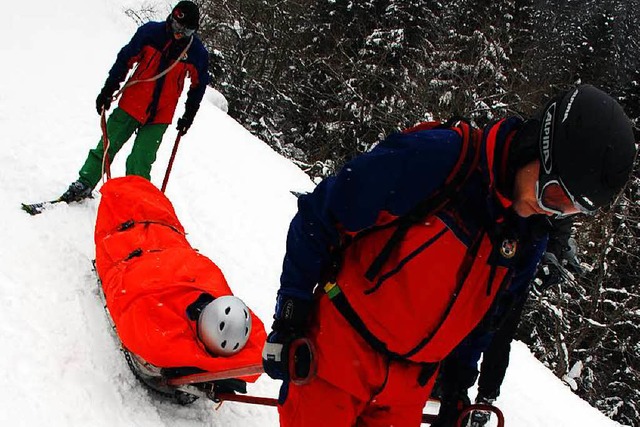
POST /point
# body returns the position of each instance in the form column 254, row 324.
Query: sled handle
column 244, row 371
column 243, row 398
column 313, row 365
column 268, row 401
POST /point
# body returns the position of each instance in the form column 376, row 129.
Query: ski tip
column 32, row 209
column 36, row 208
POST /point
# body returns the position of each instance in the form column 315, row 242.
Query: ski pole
column 170, row 165
column 266, row 401
column 204, row 377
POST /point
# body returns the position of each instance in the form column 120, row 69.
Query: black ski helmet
column 587, row 140
column 187, row 13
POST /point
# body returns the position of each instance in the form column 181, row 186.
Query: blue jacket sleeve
column 199, row 81
column 394, row 177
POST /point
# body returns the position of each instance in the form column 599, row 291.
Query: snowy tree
column 363, row 68
column 253, row 45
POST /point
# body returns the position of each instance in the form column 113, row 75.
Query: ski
column 36, row 208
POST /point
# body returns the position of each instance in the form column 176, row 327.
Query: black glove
column 105, row 96
column 103, row 101
column 184, row 123
column 570, row 258
column 551, row 273
column 289, row 325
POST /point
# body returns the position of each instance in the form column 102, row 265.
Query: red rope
column 106, row 167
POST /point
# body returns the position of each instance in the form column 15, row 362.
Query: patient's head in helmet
column 224, row 326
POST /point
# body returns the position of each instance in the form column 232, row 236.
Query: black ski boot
column 76, row 192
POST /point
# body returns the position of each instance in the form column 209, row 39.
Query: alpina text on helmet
column 547, row 136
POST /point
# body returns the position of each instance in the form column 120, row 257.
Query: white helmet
column 224, row 325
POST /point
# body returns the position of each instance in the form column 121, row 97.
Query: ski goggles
column 178, row 28
column 554, row 197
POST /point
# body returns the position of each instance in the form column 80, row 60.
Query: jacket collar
column 496, row 141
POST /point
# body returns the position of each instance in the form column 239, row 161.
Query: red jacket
column 154, row 49
column 150, row 275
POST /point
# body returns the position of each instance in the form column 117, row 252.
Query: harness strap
column 463, row 273
column 138, row 252
column 131, row 223
column 340, row 302
column 463, row 168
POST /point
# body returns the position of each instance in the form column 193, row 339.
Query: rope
column 105, row 146
column 156, row 77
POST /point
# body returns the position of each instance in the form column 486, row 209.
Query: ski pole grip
column 302, row 361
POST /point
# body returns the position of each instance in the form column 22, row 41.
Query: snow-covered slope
column 59, row 363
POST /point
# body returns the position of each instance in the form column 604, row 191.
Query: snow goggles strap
column 554, row 197
column 178, row 28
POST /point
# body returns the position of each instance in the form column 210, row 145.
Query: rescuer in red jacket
column 170, row 304
column 392, row 262
column 164, row 54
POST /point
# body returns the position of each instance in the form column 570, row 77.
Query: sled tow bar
column 426, row 418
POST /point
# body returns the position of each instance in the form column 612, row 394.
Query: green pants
column 120, row 127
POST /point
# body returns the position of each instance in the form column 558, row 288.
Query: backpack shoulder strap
column 465, row 165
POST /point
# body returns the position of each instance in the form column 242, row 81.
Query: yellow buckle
column 331, row 289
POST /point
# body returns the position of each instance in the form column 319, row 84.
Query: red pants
column 355, row 385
